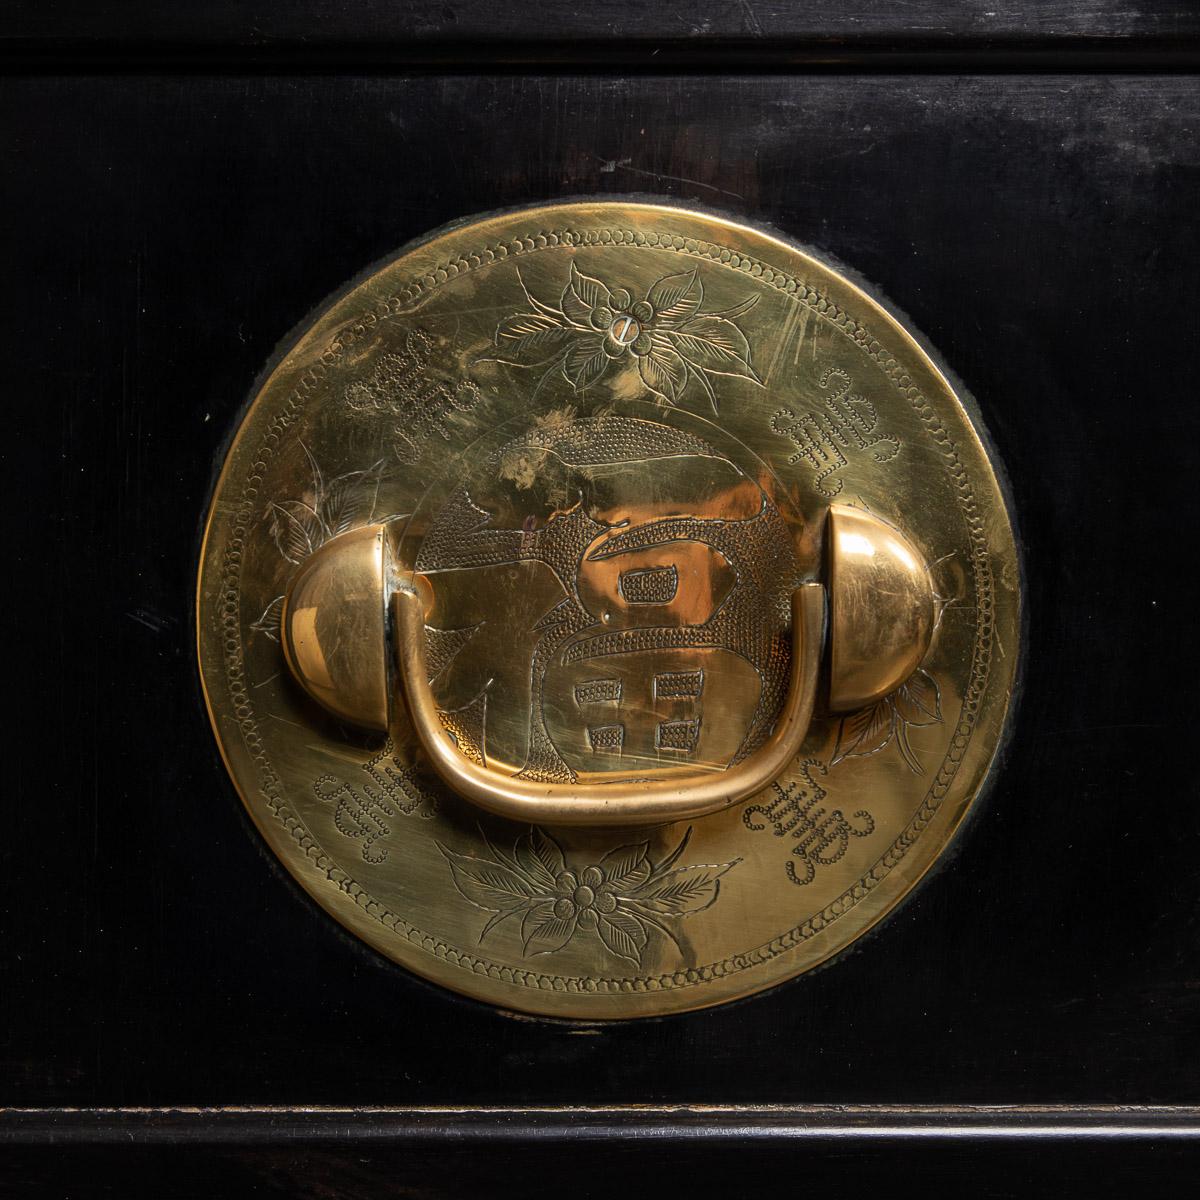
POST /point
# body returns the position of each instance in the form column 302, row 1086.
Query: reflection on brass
column 881, row 601
column 618, row 803
column 332, row 627
column 607, row 610
column 881, row 606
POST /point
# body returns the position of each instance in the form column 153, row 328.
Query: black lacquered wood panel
column 170, row 231
column 367, row 27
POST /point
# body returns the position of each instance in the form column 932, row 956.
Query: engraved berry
column 620, row 298
column 642, row 312
column 602, row 317
column 566, row 882
column 583, row 896
column 591, row 877
column 605, row 901
column 564, row 910
column 642, row 344
column 587, row 918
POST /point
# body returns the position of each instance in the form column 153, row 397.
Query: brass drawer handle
column 627, row 803
column 607, row 609
column 336, row 630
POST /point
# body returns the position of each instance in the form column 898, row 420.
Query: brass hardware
column 640, row 802
column 607, row 610
column 881, row 608
column 333, row 629
column 334, row 634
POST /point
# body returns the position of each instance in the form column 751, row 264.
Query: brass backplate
column 603, row 439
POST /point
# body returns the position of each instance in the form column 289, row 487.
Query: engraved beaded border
column 406, row 300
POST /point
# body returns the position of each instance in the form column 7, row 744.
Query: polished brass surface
column 334, row 633
column 333, row 630
column 621, row 803
column 881, row 609
column 519, row 520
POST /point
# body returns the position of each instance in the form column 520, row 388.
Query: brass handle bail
column 880, row 622
column 637, row 803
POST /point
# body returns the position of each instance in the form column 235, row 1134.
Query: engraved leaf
column 675, row 855
column 685, row 891
column 495, row 920
column 591, row 291
column 586, row 362
column 919, row 701
column 538, row 307
column 529, row 339
column 581, row 295
column 717, row 345
column 539, row 856
column 543, row 932
column 663, row 371
column 490, row 885
column 707, row 388
column 349, row 500
column 627, row 866
column 271, row 619
column 675, row 298
column 297, row 530
column 865, row 732
column 317, row 478
column 738, row 310
column 906, row 751
column 623, row 934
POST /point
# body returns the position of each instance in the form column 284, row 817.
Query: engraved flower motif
column 584, row 896
column 595, row 328
column 301, row 527
column 622, row 899
column 917, row 703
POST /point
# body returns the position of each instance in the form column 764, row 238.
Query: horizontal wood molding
column 848, row 1124
column 897, row 52
column 701, row 20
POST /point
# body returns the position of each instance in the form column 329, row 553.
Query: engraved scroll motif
column 822, row 835
column 822, row 436
column 594, row 329
column 623, row 899
column 364, row 813
column 583, row 646
column 403, row 390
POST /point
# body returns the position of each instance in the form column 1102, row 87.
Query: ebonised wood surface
column 167, row 231
column 332, row 22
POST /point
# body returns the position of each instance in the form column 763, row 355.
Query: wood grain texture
column 503, row 1157
column 1040, row 230
column 373, row 21
column 1041, row 233
column 581, row 1125
column 328, row 1154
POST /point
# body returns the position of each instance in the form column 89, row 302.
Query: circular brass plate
column 480, row 382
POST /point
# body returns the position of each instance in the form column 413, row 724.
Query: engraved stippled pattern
column 461, row 535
